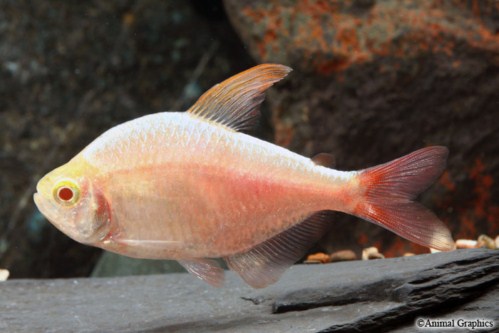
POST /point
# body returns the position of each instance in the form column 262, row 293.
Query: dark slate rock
column 386, row 294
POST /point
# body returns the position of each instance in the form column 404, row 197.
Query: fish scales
column 272, row 183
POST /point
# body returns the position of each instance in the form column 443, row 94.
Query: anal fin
column 265, row 263
column 207, row 270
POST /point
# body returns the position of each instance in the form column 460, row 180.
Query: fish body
column 189, row 186
column 183, row 180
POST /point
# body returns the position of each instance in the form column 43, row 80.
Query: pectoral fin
column 207, row 270
column 265, row 263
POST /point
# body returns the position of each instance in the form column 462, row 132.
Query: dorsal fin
column 235, row 102
column 265, row 263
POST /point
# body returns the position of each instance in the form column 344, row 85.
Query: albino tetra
column 189, row 186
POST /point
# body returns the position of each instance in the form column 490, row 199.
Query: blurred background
column 372, row 80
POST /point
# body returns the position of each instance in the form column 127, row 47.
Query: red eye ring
column 65, row 193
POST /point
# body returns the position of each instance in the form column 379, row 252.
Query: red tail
column 390, row 189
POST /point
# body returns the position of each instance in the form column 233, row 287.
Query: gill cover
column 69, row 199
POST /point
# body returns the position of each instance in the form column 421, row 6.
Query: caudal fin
column 389, row 191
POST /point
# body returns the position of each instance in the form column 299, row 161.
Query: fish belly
column 207, row 212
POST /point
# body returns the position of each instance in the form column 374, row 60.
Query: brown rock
column 343, row 255
column 375, row 80
column 371, row 253
column 318, row 258
column 486, row 241
column 466, row 244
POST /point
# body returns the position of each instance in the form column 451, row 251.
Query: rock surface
column 385, row 294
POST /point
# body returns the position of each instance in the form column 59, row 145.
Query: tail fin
column 390, row 189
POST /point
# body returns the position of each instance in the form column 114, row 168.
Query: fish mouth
column 49, row 211
column 61, row 221
column 41, row 205
column 46, row 209
column 37, row 200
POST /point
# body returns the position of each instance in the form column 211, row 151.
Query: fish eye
column 66, row 192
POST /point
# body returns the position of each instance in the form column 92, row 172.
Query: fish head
column 69, row 198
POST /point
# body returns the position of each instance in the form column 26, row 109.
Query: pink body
column 210, row 191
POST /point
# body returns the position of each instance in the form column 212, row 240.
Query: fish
column 193, row 187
